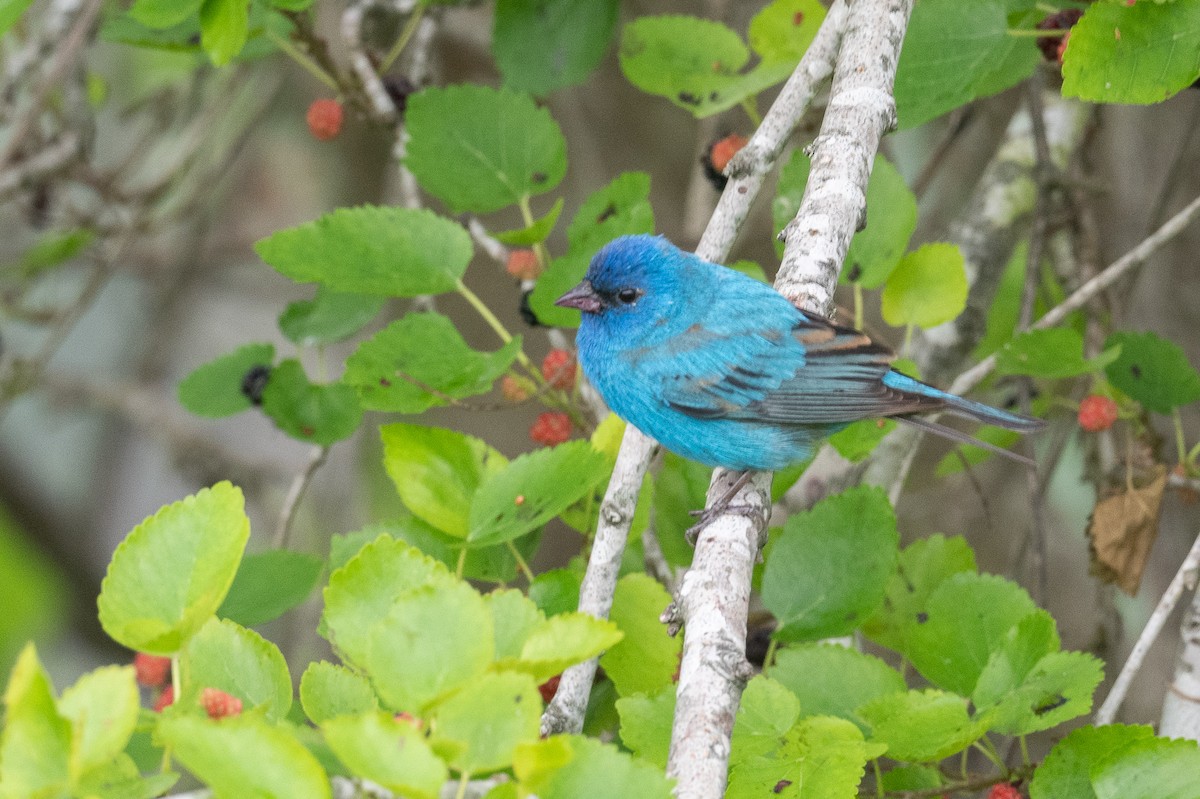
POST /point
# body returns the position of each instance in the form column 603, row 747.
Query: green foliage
column 10, row 12
column 269, row 584
column 928, row 287
column 479, row 149
column 543, row 45
column 1053, row 353
column 1066, row 771
column 1152, row 370
column 700, row 65
column 328, row 691
column 646, row 658
column 314, row 412
column 565, row 767
column 328, row 317
column 922, row 726
column 215, row 389
column 239, row 662
column 1133, row 52
column 387, row 751
column 834, row 680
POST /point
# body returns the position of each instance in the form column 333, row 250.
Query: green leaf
column 1005, row 311
column 859, row 439
column 269, row 584
column 328, row 317
column 102, row 707
column 1140, row 53
column 965, row 620
column 362, row 592
column 923, row 566
column 36, row 741
column 911, row 778
column 700, row 65
column 819, row 757
column 543, row 45
column 1052, row 353
column 1151, row 768
column 1057, row 689
column 480, row 149
column 561, row 641
column 570, row 766
column 328, row 691
column 646, row 724
column 827, row 572
column 437, row 472
column 1017, row 58
column 647, row 657
column 434, row 640
column 891, row 220
column 1065, row 772
column 495, row 564
column 239, row 662
column 618, row 209
column 172, row 572
column 420, row 360
column 680, row 486
column 244, row 756
column 514, row 617
column 1027, row 642
column 556, row 591
column 767, row 711
column 392, row 252
column 537, row 232
column 834, row 680
column 482, row 723
column 215, row 389
column 164, row 13
column 950, row 54
column 922, row 726
column 55, row 246
column 1152, row 370
column 224, row 26
column 392, row 753
column 532, row 490
column 120, row 778
column 927, row 288
column 318, row 413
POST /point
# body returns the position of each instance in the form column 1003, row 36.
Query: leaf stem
column 539, row 247
column 410, row 27
column 769, row 657
column 462, row 563
column 302, row 58
column 908, row 334
column 878, row 777
column 464, row 779
column 1180, row 442
column 751, row 108
column 494, row 323
column 522, row 566
column 1034, row 33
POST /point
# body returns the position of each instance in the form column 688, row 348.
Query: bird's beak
column 583, row 298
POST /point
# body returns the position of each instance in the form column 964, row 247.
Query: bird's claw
column 709, row 515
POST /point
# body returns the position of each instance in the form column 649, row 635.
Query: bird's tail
column 965, row 407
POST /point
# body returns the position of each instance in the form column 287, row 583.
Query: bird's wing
column 817, row 373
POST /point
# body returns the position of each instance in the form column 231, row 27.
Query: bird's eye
column 628, row 296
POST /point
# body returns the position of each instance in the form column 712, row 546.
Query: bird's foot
column 709, row 515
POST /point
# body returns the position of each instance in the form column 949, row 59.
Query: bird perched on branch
column 722, row 369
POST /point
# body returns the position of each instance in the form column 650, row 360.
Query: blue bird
column 722, row 369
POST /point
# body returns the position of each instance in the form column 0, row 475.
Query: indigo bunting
column 722, row 369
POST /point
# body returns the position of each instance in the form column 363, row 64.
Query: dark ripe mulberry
column 255, row 381
column 1062, row 20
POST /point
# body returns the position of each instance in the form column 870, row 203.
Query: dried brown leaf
column 1122, row 530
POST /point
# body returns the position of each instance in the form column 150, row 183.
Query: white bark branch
column 1181, row 706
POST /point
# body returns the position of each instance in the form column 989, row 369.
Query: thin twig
column 1184, row 576
column 316, row 457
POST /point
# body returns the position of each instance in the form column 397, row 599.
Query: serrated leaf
column 543, row 45
column 419, row 361
column 269, row 584
column 819, row 757
column 313, row 412
column 1066, row 771
column 928, row 287
column 646, row 724
column 965, row 620
column 480, row 149
column 172, row 572
column 245, row 756
column 391, row 252
column 532, row 490
column 35, row 744
column 433, row 640
column 826, row 573
column 561, row 641
column 1027, row 642
column 1052, row 353
column 392, row 753
column 483, row 722
column 923, row 566
column 618, row 209
column 362, row 592
column 328, row 691
column 570, row 766
column 1150, row 768
column 437, row 472
column 224, row 27
column 215, row 389
column 534, row 233
column 765, row 714
column 1057, row 689
column 950, row 53
column 514, row 617
column 328, row 317
column 1133, row 53
column 832, row 680
column 241, row 663
column 1152, row 370
column 120, row 778
column 102, row 707
column 922, row 726
column 647, row 657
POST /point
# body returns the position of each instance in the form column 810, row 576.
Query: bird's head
column 632, row 277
